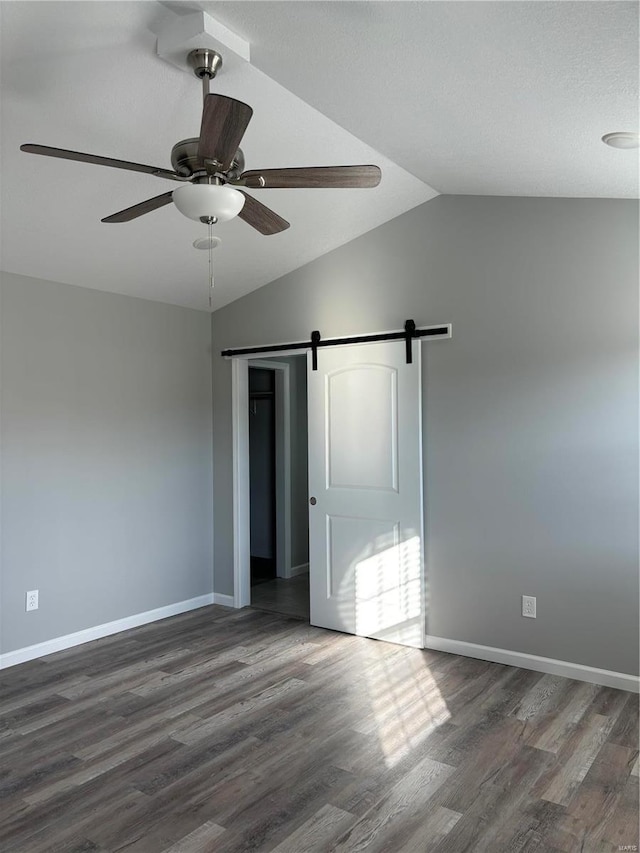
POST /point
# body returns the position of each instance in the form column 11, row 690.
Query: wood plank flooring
column 287, row 596
column 220, row 731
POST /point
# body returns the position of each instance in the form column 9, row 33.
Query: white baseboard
column 578, row 671
column 605, row 677
column 302, row 569
column 98, row 631
column 224, row 600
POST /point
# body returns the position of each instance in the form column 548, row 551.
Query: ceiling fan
column 211, row 167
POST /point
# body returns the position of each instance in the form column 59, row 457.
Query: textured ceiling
column 484, row 98
column 479, row 98
column 507, row 98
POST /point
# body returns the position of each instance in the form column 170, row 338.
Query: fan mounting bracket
column 205, row 62
column 180, row 35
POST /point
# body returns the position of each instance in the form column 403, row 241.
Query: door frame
column 241, row 496
column 240, row 466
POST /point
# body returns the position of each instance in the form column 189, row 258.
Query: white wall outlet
column 32, row 600
column 529, row 606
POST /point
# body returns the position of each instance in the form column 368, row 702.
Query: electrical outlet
column 529, row 606
column 32, row 600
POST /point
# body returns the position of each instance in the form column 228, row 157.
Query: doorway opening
column 262, row 474
column 362, row 500
column 277, row 449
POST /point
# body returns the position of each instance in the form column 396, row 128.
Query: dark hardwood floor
column 223, row 730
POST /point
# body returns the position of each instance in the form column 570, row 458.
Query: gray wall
column 106, row 457
column 530, row 427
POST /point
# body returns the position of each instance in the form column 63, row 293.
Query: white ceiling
column 484, row 98
column 478, row 98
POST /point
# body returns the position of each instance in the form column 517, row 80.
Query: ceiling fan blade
column 261, row 217
column 224, row 121
column 312, row 177
column 139, row 209
column 100, row 161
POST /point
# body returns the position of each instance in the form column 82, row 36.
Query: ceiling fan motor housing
column 185, row 160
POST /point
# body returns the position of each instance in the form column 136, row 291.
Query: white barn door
column 365, row 488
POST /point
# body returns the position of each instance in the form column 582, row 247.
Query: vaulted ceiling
column 481, row 98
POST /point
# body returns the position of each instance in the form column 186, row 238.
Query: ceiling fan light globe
column 208, row 201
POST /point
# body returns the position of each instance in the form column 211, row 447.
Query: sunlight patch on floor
column 406, row 704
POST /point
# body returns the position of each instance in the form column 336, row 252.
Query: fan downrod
column 205, row 63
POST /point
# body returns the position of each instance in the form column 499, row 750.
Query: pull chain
column 210, row 264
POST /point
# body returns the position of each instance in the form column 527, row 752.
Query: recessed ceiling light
column 622, row 139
